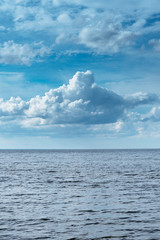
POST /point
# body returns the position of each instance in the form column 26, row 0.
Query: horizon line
column 76, row 149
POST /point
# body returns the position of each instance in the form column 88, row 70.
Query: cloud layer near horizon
column 82, row 101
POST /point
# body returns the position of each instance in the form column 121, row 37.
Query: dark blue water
column 112, row 194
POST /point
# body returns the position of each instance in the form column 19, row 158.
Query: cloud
column 34, row 19
column 13, row 106
column 141, row 98
column 11, row 77
column 14, row 53
column 155, row 43
column 79, row 25
column 82, row 101
column 124, row 5
column 153, row 115
column 106, row 37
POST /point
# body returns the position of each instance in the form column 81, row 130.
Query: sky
column 79, row 74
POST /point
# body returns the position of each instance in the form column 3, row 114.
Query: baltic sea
column 79, row 194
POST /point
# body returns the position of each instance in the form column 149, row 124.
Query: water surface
column 91, row 194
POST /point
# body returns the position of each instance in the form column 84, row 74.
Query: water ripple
column 80, row 195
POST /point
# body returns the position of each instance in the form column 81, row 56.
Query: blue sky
column 79, row 74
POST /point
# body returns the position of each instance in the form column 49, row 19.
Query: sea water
column 76, row 194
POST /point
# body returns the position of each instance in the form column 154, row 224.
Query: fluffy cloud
column 106, row 37
column 13, row 53
column 80, row 102
column 14, row 106
column 97, row 26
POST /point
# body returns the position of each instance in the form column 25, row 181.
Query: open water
column 90, row 194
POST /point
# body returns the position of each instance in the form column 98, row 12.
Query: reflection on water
column 110, row 194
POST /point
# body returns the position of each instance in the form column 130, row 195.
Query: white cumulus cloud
column 15, row 53
column 82, row 101
column 106, row 37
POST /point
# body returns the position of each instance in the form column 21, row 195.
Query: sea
column 80, row 194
